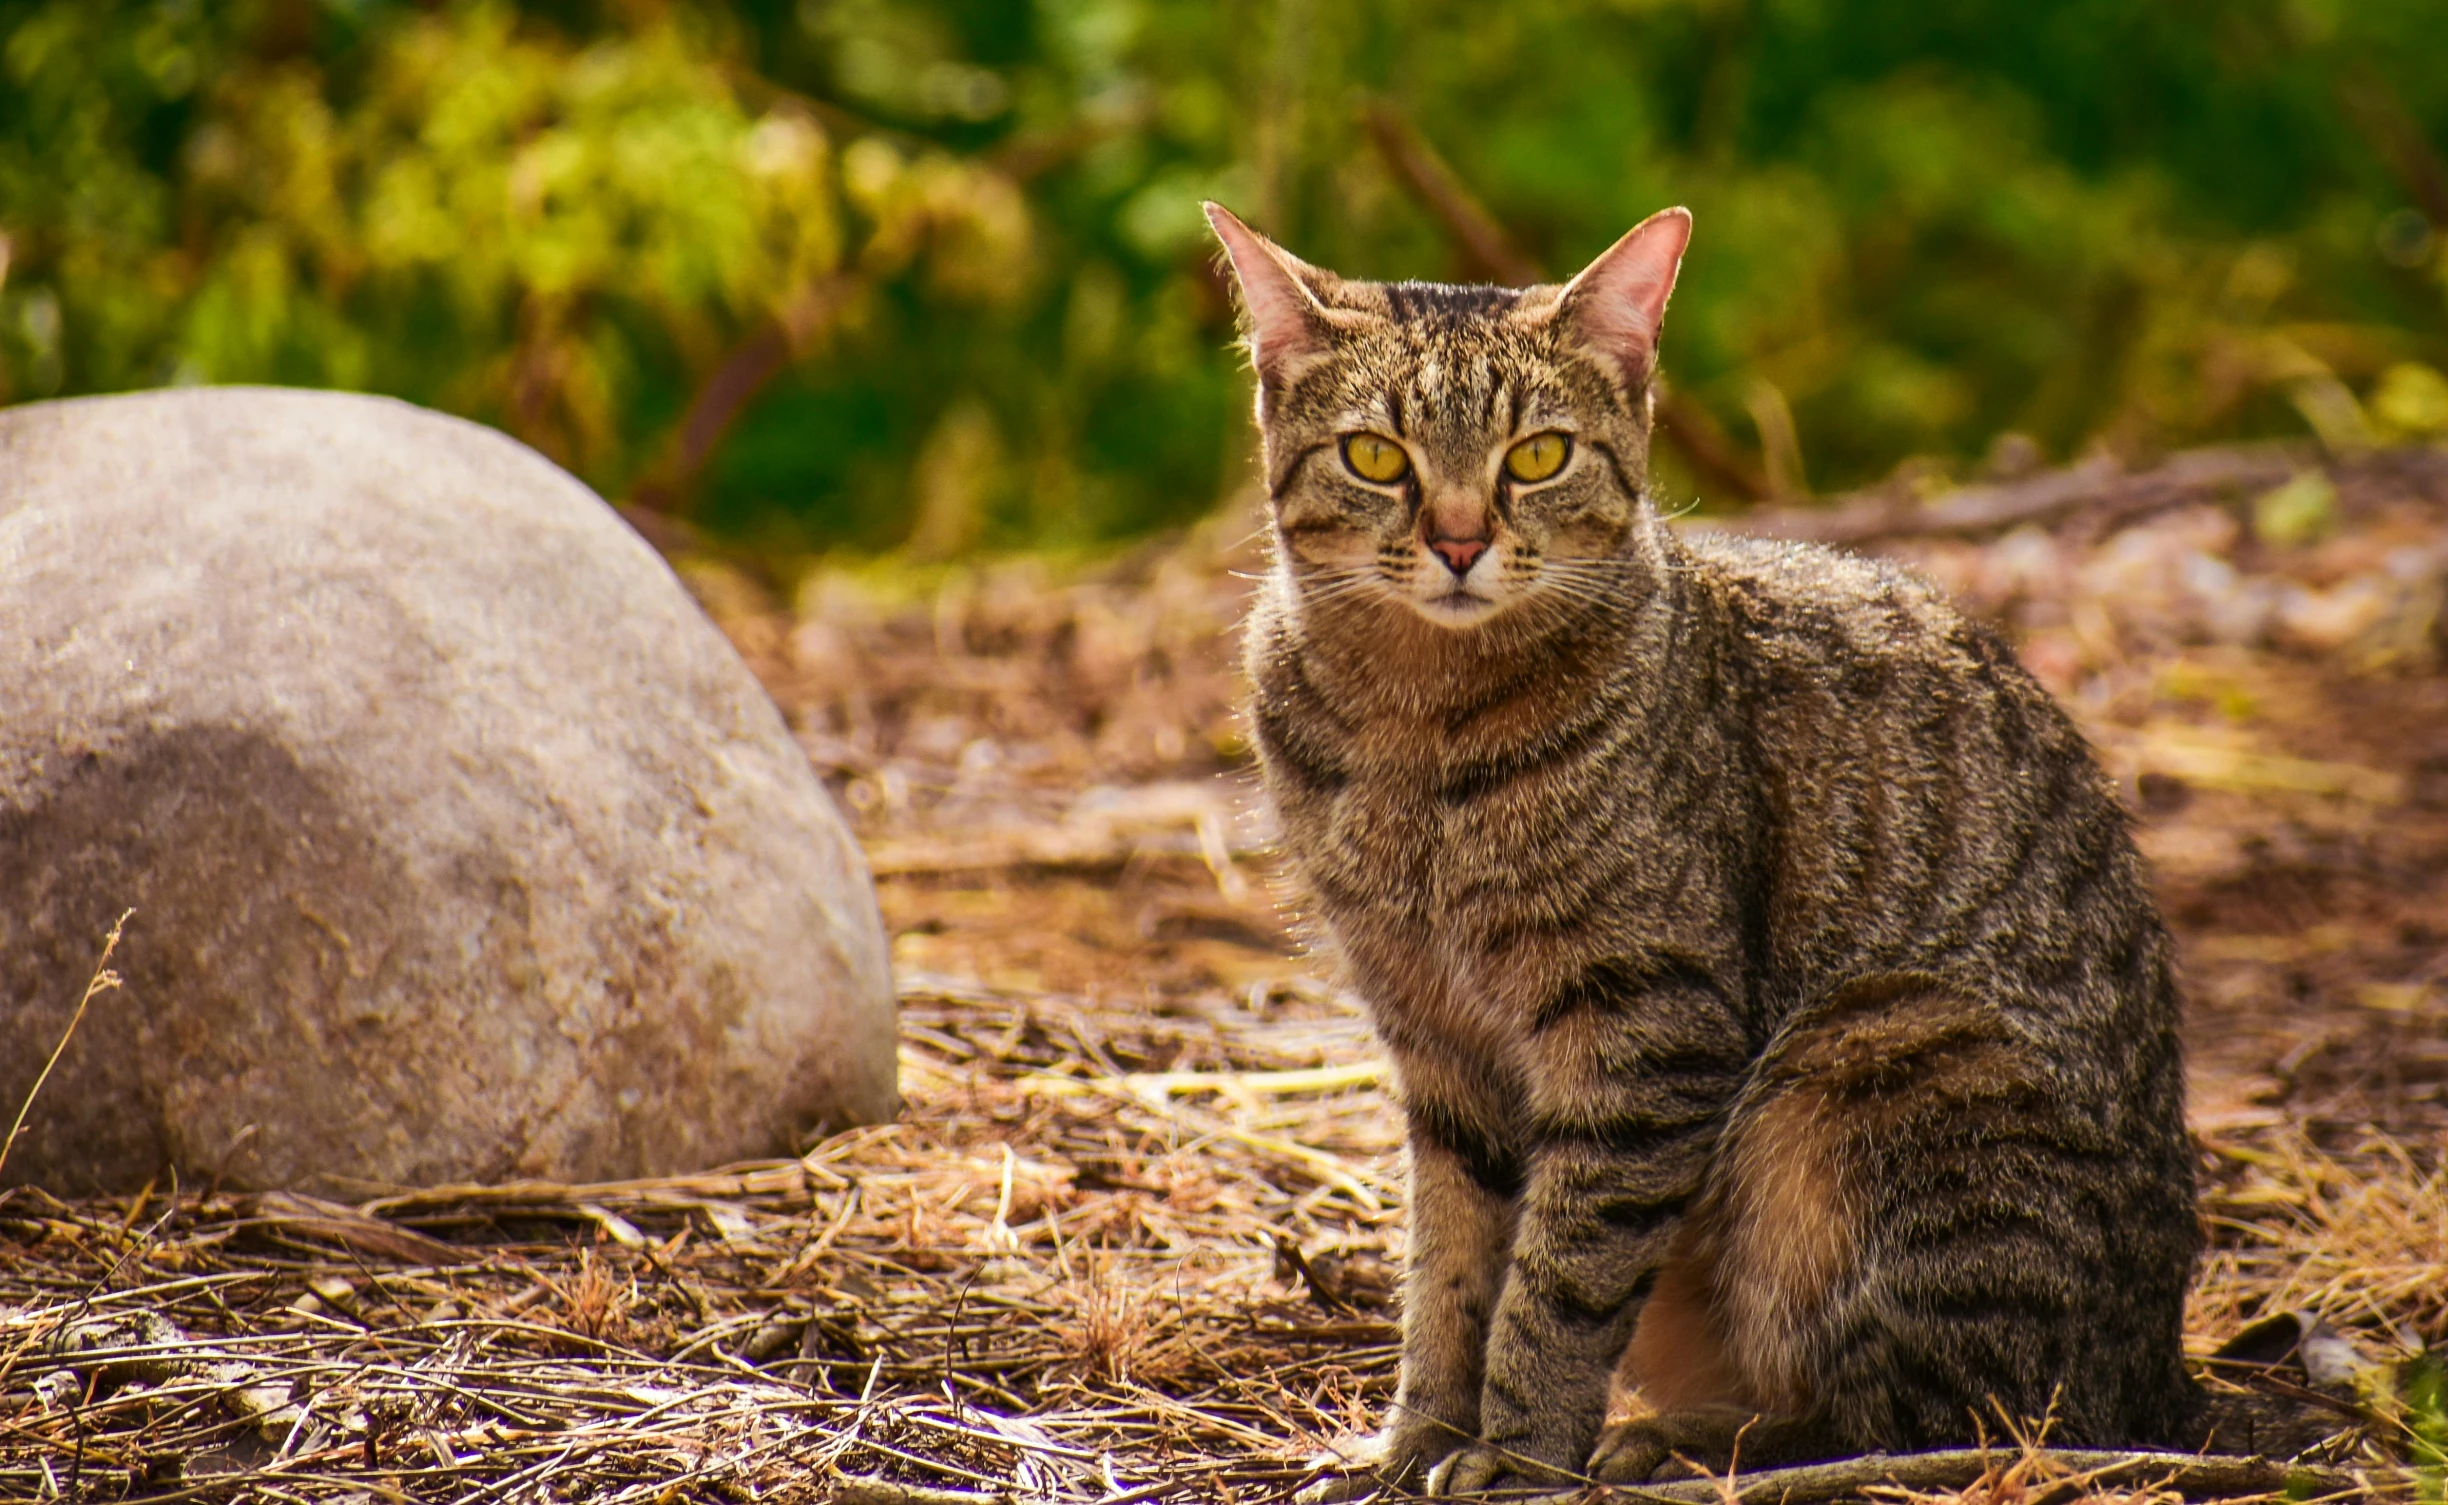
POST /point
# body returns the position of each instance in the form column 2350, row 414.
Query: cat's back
column 1835, row 655
column 1804, row 612
column 1929, row 799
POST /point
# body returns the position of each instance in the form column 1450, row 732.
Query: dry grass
column 1058, row 1272
column 2362, row 1236
column 104, row 980
column 1044, row 1236
column 1132, row 1238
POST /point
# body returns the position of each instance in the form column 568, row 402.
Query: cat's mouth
column 1458, row 607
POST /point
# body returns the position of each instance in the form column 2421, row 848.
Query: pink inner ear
column 1283, row 315
column 1618, row 302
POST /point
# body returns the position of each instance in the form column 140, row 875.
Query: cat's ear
column 1617, row 304
column 1287, row 324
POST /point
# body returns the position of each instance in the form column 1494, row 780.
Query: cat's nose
column 1459, row 554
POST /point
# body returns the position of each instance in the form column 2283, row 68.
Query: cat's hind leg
column 2024, row 1199
column 1916, row 1227
column 1719, row 1355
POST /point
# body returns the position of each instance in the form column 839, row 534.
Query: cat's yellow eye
column 1537, row 457
column 1374, row 457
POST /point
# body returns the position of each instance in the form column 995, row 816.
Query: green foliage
column 870, row 272
column 2420, row 1403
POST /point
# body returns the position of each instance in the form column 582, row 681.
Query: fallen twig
column 2050, row 1474
column 2096, row 487
column 866, row 1489
column 1994, row 508
column 2189, row 1474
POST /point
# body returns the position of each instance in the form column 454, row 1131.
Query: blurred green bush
column 929, row 273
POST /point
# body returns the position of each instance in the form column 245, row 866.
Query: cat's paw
column 1705, row 1442
column 1359, row 1467
column 1628, row 1452
column 1340, row 1489
column 1639, row 1451
column 1471, row 1471
column 1479, row 1468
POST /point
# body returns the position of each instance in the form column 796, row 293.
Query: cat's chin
column 1455, row 609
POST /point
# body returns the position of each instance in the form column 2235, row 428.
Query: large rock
column 461, row 845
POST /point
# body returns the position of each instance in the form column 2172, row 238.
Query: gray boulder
column 461, row 844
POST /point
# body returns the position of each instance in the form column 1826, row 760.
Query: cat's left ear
column 1618, row 303
column 1287, row 326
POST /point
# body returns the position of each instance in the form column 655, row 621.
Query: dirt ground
column 1133, row 1237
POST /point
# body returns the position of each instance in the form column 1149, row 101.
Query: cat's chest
column 1412, row 839
column 1428, row 903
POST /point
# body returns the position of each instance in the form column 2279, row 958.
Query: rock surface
column 461, row 844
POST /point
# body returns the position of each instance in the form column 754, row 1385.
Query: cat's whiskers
column 1330, row 585
column 1333, row 574
column 1588, row 580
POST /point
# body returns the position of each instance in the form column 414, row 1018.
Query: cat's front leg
column 1462, row 1188
column 1594, row 1230
column 1625, row 1108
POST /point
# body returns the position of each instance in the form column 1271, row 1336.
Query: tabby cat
column 1776, row 997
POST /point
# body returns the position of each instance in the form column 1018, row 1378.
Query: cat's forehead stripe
column 1408, row 301
column 1450, row 390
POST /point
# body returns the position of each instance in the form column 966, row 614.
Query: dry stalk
column 103, row 980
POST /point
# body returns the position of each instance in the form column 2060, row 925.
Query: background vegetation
column 928, row 273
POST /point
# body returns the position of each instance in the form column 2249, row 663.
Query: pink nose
column 1459, row 554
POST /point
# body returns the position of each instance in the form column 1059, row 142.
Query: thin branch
column 2185, row 1473
column 1810, row 1484
column 762, row 354
column 1489, row 251
column 1485, row 246
column 2380, row 114
column 1705, row 446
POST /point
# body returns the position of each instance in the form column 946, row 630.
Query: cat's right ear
column 1287, row 324
column 1618, row 303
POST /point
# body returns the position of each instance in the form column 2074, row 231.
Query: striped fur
column 1775, row 992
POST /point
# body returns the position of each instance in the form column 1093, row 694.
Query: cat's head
column 1463, row 450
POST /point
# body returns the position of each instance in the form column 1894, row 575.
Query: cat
column 1778, row 1005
